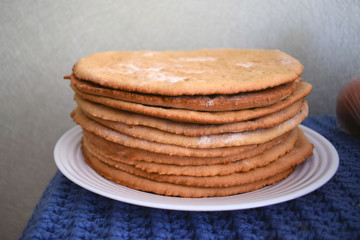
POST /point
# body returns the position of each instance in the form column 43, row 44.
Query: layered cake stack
column 192, row 123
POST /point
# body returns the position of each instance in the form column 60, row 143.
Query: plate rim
column 182, row 204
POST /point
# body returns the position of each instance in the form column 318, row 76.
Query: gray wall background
column 41, row 40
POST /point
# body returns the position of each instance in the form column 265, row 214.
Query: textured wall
column 41, row 40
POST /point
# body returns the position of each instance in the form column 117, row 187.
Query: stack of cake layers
column 192, row 123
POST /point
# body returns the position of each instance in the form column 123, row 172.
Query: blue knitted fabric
column 67, row 211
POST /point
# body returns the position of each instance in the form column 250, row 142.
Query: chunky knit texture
column 67, row 211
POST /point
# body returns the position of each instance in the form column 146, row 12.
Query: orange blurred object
column 348, row 108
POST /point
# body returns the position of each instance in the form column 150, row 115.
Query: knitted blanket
column 67, row 211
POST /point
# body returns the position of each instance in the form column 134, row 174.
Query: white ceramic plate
column 307, row 177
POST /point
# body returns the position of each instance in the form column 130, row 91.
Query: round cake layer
column 197, row 102
column 262, row 159
column 199, row 72
column 205, row 186
column 102, row 113
column 139, row 157
column 221, row 140
column 181, row 115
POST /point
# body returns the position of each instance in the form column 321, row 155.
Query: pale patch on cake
column 289, row 63
column 281, row 60
column 107, row 70
column 195, row 59
column 226, row 138
column 128, row 68
column 194, row 71
column 150, row 74
column 205, row 140
column 245, row 64
column 113, row 70
column 236, row 137
column 161, row 76
column 209, row 103
column 153, row 69
column 150, row 54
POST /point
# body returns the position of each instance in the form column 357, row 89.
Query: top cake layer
column 199, row 72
